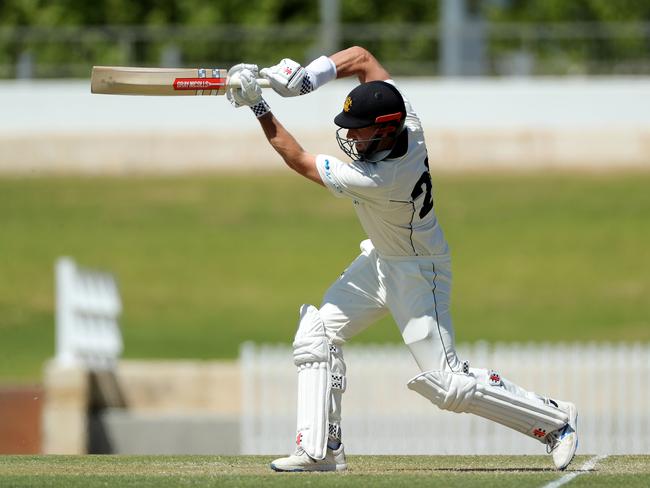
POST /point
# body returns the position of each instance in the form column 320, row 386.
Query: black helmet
column 375, row 103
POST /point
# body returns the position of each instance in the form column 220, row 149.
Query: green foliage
column 408, row 11
column 591, row 44
column 67, row 37
column 575, row 10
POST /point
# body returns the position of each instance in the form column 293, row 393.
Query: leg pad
column 321, row 382
column 459, row 392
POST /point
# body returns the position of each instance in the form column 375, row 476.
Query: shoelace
column 552, row 441
column 299, row 451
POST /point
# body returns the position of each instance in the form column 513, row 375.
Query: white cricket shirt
column 393, row 198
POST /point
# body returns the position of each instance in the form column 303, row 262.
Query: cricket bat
column 123, row 80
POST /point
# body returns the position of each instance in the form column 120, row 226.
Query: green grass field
column 206, row 262
column 364, row 471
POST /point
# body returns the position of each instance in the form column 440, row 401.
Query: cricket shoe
column 300, row 461
column 563, row 443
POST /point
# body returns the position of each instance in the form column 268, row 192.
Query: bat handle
column 235, row 83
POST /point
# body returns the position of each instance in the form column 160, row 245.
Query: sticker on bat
column 199, row 83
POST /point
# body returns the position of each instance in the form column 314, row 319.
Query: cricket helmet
column 374, row 104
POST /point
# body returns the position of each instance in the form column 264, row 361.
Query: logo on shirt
column 328, row 175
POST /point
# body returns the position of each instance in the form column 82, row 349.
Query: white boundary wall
column 58, row 126
column 610, row 384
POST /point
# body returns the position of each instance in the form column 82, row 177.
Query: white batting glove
column 234, row 71
column 249, row 94
column 234, row 74
column 288, row 78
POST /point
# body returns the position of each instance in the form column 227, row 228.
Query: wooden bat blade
column 123, row 80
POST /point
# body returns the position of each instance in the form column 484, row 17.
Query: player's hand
column 287, row 78
column 235, row 70
column 250, row 92
column 234, row 73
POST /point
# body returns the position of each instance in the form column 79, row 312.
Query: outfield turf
column 206, row 262
column 370, row 471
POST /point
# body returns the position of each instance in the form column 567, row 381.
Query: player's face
column 362, row 137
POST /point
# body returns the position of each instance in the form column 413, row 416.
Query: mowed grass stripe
column 207, row 262
column 585, row 468
column 455, row 471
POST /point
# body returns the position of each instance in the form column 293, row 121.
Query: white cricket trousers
column 415, row 290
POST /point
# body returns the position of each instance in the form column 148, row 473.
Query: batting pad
column 313, row 406
column 459, row 392
column 315, row 383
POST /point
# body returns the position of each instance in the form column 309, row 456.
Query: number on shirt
column 424, row 181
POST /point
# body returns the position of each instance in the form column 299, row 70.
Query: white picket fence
column 610, row 384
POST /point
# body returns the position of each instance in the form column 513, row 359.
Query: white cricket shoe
column 300, row 461
column 563, row 443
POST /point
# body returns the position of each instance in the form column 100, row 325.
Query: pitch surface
column 375, row 471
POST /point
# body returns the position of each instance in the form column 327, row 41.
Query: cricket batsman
column 404, row 267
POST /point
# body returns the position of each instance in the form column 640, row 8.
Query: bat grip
column 234, row 82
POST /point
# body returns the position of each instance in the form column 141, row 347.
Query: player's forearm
column 357, row 61
column 280, row 139
column 288, row 148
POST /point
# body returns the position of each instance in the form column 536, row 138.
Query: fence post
column 330, row 31
column 247, row 363
column 25, row 66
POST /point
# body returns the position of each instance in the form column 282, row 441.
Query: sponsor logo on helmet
column 347, row 104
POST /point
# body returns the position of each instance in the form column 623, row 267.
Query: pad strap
column 334, row 431
column 337, row 382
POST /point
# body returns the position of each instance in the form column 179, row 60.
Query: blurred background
column 64, row 39
column 537, row 117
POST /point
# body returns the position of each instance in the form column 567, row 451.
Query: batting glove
column 289, row 79
column 234, row 95
column 235, row 70
column 249, row 94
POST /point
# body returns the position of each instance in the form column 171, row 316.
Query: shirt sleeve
column 352, row 180
column 412, row 119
